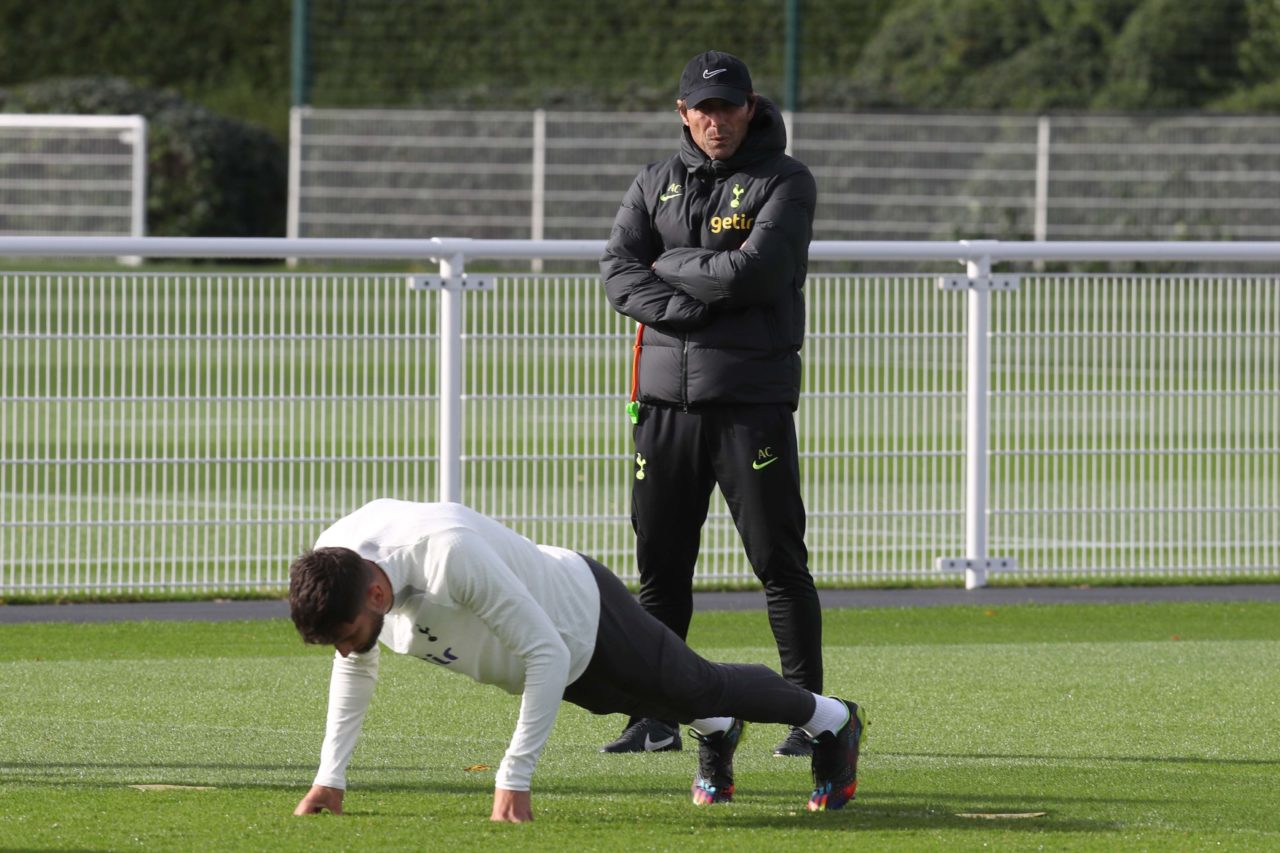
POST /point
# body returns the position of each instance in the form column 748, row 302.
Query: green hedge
column 229, row 55
column 234, row 55
column 1035, row 55
column 207, row 175
column 602, row 54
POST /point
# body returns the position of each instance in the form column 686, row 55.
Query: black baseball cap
column 715, row 74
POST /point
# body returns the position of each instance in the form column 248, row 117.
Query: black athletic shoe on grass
column 645, row 735
column 795, row 745
column 714, row 782
column 835, row 762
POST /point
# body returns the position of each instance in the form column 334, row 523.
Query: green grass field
column 1128, row 726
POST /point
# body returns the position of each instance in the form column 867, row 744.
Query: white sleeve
column 350, row 691
column 479, row 580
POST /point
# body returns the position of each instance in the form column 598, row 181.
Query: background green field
column 1130, row 726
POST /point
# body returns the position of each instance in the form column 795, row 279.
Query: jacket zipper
column 699, row 191
column 684, row 372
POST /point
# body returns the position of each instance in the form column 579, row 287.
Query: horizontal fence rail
column 171, row 432
column 561, row 174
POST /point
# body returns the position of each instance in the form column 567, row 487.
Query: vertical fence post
column 1042, row 142
column 138, row 207
column 293, row 205
column 1041, row 226
column 537, row 212
column 301, row 58
column 449, row 442
column 137, row 139
column 791, row 85
column 977, row 422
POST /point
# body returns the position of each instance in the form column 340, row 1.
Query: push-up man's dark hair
column 326, row 590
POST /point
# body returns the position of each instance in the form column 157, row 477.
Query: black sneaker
column 795, row 745
column 714, row 782
column 645, row 735
column 835, row 762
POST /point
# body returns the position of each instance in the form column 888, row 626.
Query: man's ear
column 751, row 106
column 680, row 108
column 375, row 595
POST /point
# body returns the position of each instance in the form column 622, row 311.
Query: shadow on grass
column 775, row 808
column 920, row 815
column 770, row 807
column 1060, row 759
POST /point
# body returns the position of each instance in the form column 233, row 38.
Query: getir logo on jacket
column 737, row 222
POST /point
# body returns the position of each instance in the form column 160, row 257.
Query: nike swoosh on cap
column 708, row 74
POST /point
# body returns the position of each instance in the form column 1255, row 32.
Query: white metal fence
column 72, row 174
column 561, row 175
column 195, row 431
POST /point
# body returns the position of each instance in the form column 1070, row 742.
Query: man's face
column 717, row 126
column 361, row 635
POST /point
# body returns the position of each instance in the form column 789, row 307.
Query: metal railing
column 195, row 430
column 561, row 174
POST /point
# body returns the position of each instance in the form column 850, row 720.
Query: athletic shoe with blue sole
column 714, row 782
column 835, row 762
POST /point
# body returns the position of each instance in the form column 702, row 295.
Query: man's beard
column 373, row 637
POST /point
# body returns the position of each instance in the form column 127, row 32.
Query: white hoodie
column 472, row 596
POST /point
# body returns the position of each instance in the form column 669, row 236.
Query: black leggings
column 640, row 667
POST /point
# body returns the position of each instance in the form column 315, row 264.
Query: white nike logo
column 707, row 75
column 651, row 745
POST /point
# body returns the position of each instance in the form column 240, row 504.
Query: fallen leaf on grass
column 477, row 768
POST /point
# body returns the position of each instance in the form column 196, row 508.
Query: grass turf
column 1130, row 726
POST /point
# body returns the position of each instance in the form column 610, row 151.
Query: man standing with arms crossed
column 708, row 254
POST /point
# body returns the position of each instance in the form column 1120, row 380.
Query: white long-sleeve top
column 472, row 596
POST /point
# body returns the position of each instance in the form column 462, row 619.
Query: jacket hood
column 766, row 137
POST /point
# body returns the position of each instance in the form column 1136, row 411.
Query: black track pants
column 751, row 452
column 640, row 667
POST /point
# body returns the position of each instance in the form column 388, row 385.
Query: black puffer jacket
column 711, row 257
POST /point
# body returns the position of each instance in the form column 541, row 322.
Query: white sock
column 828, row 716
column 711, row 725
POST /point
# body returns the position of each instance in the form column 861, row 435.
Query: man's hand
column 320, row 798
column 511, row 806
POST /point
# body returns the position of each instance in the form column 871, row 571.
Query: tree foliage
column 234, row 55
column 1070, row 54
column 1173, row 54
column 229, row 55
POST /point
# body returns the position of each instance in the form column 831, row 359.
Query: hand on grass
column 511, row 806
column 319, row 799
